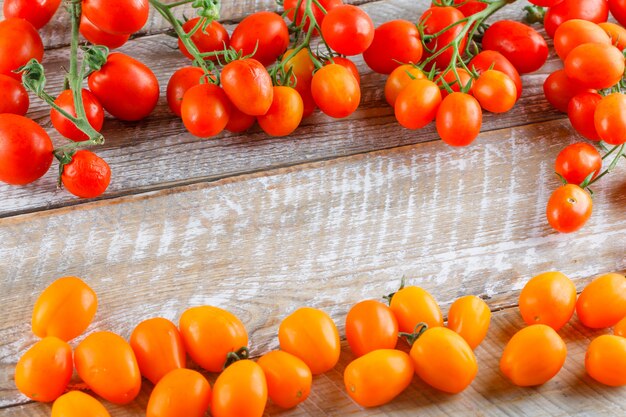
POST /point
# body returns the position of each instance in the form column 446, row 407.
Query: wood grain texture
column 327, row 234
column 158, row 152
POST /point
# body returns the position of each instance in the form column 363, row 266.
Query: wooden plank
column 327, row 234
column 158, row 153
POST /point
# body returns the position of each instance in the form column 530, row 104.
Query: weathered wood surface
column 158, row 153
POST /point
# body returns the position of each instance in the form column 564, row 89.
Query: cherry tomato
column 120, row 17
column 348, row 30
column 592, row 10
column 610, row 119
column 435, row 20
column 64, row 309
column 264, row 31
column 211, row 38
column 43, row 372
column 495, row 91
column 248, row 85
column 576, row 32
column 335, row 91
column 240, row 390
column 605, row 360
column 97, row 36
column 559, row 89
column 620, row 328
column 378, row 377
column 595, row 65
column 417, row 103
column 302, row 68
column 603, row 302
column 209, row 334
column 319, row 15
column 617, row 8
column 395, row 42
column 519, row 43
column 450, row 78
column 533, row 356
column 548, row 298
column 577, row 161
column 398, row 79
column 569, row 208
column 123, row 77
column 158, row 347
column 181, row 81
column 288, row 378
column 616, row 32
column 19, row 43
column 581, row 110
column 444, row 360
column 182, row 392
column 347, row 64
column 470, row 316
column 238, row 121
column 38, row 12
column 205, row 110
column 78, row 404
column 459, row 118
column 470, row 7
column 311, row 335
column 107, row 364
column 484, row 61
column 93, row 110
column 371, row 325
column 285, row 113
column 13, row 96
column 87, row 175
column 413, row 305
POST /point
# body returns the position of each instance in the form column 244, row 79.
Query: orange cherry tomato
column 209, row 334
column 241, row 390
column 398, row 79
column 417, row 104
column 620, row 328
column 413, row 305
column 605, row 360
column 548, row 298
column 444, row 360
column 347, row 64
column 459, row 118
column 470, row 316
column 158, row 348
column 495, row 91
column 311, row 335
column 455, row 84
column 302, row 68
column 603, row 302
column 378, row 377
column 64, row 309
column 288, row 378
column 576, row 32
column 608, row 119
column 78, row 404
column 595, row 65
column 616, row 32
column 43, row 372
column 248, row 85
column 107, row 364
column 371, row 325
column 335, row 91
column 285, row 113
column 533, row 356
column 182, row 392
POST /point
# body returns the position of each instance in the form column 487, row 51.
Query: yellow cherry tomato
column 603, row 302
column 548, row 298
column 470, row 316
column 414, row 305
column 605, row 360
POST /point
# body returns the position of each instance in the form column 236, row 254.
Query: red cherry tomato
column 25, row 150
column 371, row 325
column 13, row 96
column 348, row 30
column 19, row 43
column 395, row 42
column 347, row 64
column 577, row 161
column 576, row 32
column 459, row 118
column 288, row 378
column 569, row 208
column 495, row 91
column 595, row 65
column 181, row 81
column 435, row 20
column 182, row 392
column 248, row 85
column 211, row 38
column 285, row 113
column 417, row 103
column 610, row 119
column 93, row 110
column 617, row 8
column 37, row 12
column 602, row 303
column 400, row 78
column 335, row 91
column 559, row 89
column 264, row 31
column 238, row 121
column 120, row 17
column 97, row 36
column 319, row 15
column 470, row 7
column 596, row 11
column 205, row 110
column 87, row 175
column 240, row 390
column 581, row 110
column 484, row 61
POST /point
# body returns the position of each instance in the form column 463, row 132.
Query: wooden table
column 336, row 213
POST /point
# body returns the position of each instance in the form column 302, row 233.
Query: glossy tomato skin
column 103, row 357
column 335, row 91
column 378, row 377
column 240, row 390
column 348, row 30
column 596, row 11
column 581, row 110
column 569, row 208
column 290, row 8
column 398, row 79
column 181, row 392
column 285, row 113
column 395, row 42
column 13, row 96
column 595, row 65
column 620, row 328
column 602, row 303
column 417, row 103
column 577, row 161
column 97, row 36
column 118, row 17
column 444, row 360
column 519, row 43
column 288, row 378
column 413, row 305
column 209, row 334
column 495, row 91
column 64, row 309
column 248, row 85
column 238, row 121
column 87, row 175
column 78, row 404
column 93, row 110
column 616, row 32
column 459, row 119
column 484, row 61
column 347, row 64
column 617, row 8
column 605, row 360
column 38, row 12
column 470, row 7
column 19, row 43
column 205, row 110
column 371, row 325
column 435, row 20
column 533, row 356
column 43, row 372
column 470, row 316
column 548, row 298
column 213, row 38
column 576, row 32
column 123, row 77
column 311, row 335
column 302, row 67
column 559, row 89
column 267, row 29
column 158, row 347
column 181, row 81
column 610, row 119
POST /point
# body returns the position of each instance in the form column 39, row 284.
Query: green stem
column 621, row 149
column 178, row 3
